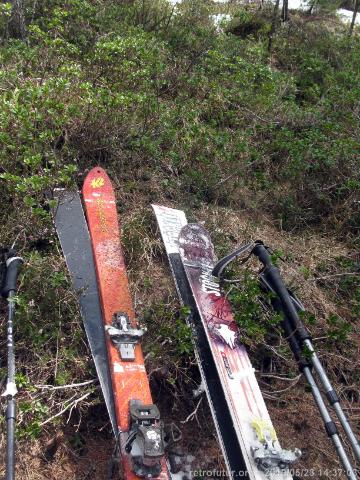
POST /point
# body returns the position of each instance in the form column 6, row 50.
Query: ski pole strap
column 13, row 264
column 224, row 262
column 272, row 275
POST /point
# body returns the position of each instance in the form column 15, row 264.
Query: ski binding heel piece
column 267, row 456
column 124, row 336
column 147, row 432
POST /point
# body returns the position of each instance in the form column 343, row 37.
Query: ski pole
column 298, row 337
column 305, row 365
column 272, row 276
column 332, row 397
column 13, row 263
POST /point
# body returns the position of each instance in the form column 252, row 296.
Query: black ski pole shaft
column 272, row 277
column 13, row 263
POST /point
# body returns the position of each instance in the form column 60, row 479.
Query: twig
column 192, row 414
column 263, row 119
column 71, row 405
column 148, row 355
column 225, row 179
column 157, row 339
column 57, row 352
column 286, row 379
column 270, row 397
column 289, row 387
column 63, row 387
column 158, row 369
column 276, row 353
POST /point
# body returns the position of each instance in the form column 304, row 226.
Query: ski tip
column 161, row 209
column 62, row 196
column 156, row 208
column 169, row 217
column 97, row 181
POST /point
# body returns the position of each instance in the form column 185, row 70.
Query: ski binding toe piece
column 124, row 336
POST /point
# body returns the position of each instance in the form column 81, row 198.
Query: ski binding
column 124, row 336
column 266, row 455
column 147, row 431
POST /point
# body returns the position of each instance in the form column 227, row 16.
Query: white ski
column 256, row 440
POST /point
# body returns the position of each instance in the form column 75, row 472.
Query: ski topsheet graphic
column 75, row 242
column 260, row 450
column 139, row 425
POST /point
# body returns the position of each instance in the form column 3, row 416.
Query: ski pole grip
column 273, row 276
column 263, row 255
column 13, row 264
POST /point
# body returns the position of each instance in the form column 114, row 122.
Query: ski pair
column 93, row 254
column 243, row 424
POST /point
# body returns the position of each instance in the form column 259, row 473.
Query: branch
column 71, row 405
column 334, row 275
column 192, row 414
column 63, row 387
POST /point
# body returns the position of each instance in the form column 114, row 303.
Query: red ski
column 140, row 436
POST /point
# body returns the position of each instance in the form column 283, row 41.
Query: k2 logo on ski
column 98, row 182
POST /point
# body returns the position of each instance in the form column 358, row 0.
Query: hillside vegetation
column 182, row 113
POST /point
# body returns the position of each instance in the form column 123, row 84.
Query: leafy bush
column 175, row 110
column 203, row 109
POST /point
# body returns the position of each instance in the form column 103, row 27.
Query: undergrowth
column 182, row 113
column 211, row 117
